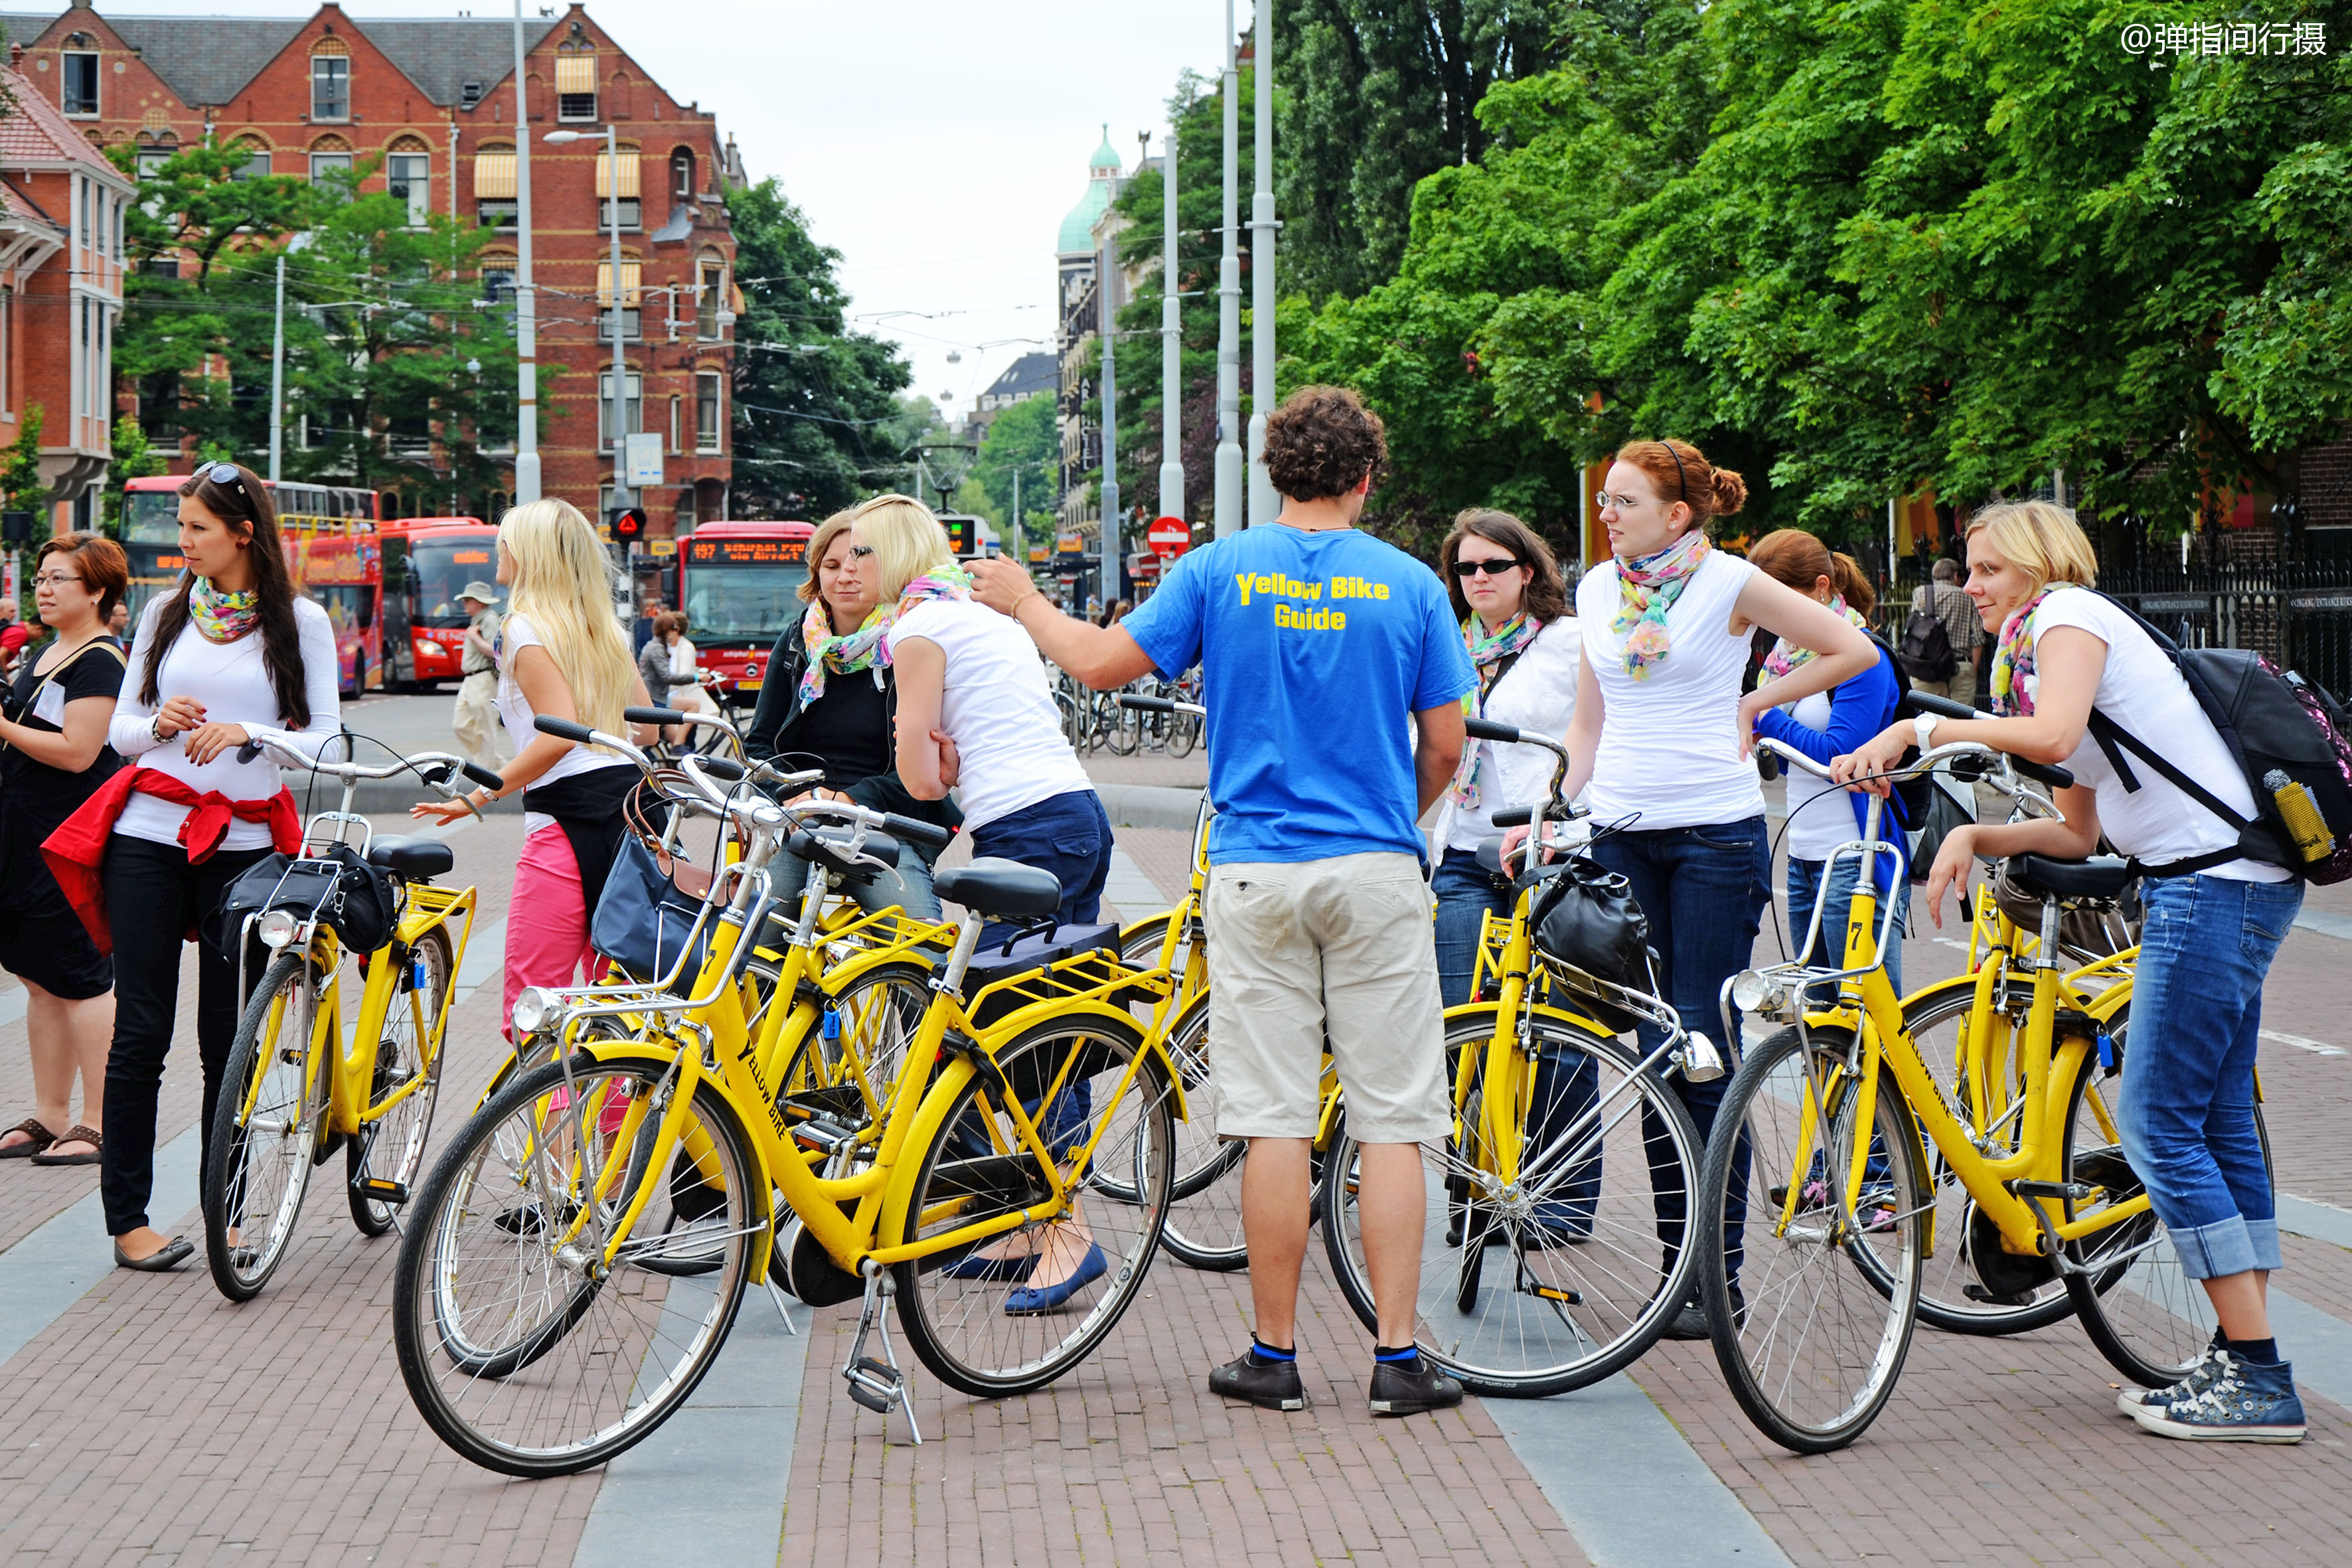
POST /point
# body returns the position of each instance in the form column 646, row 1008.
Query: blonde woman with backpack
column 2215, row 920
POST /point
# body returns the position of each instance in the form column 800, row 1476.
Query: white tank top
column 1667, row 749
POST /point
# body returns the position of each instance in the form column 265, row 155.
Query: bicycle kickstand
column 878, row 1384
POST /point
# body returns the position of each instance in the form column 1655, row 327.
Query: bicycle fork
column 878, row 1385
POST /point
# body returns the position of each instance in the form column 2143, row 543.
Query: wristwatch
column 1923, row 726
column 155, row 728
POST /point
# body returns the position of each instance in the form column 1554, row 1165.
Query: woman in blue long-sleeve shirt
column 1823, row 726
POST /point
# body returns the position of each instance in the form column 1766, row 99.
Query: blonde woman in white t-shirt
column 2215, row 920
column 976, row 715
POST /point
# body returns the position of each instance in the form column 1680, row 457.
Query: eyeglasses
column 54, row 579
column 1494, row 568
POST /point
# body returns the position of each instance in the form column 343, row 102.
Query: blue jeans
column 1704, row 890
column 1805, row 887
column 1466, row 896
column 2186, row 1118
column 910, row 887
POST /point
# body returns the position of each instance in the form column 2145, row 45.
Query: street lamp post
column 1105, row 307
column 1172, row 330
column 278, row 374
column 525, row 468
column 1229, row 462
column 620, row 342
column 1263, row 504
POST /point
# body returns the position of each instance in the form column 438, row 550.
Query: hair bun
column 1730, row 492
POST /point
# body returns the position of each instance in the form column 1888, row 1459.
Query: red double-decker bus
column 738, row 583
column 427, row 561
column 332, row 550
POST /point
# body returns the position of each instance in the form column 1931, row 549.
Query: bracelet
column 1015, row 611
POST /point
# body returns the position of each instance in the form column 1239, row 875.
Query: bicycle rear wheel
column 1584, row 1271
column 1810, row 1336
column 392, row 1147
column 266, row 1127
column 1184, row 734
column 521, row 1352
column 2142, row 1311
column 981, row 1318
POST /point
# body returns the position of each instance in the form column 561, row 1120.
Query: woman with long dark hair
column 235, row 655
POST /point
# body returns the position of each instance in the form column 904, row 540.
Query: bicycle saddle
column 408, row 855
column 2105, row 877
column 830, row 848
column 1004, row 888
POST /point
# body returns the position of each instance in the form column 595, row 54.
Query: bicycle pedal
column 881, row 1371
column 379, row 1189
column 878, row 1402
column 2076, row 1192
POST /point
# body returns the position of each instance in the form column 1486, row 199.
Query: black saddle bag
column 1585, row 918
column 356, row 900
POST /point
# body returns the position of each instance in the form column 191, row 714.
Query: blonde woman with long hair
column 561, row 653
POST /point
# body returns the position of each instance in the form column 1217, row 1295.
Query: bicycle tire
column 244, row 1175
column 975, row 1335
column 2148, row 1320
column 1204, row 1207
column 1124, row 737
column 1613, row 1287
column 1184, row 734
column 625, row 1320
column 1776, row 1343
column 401, row 1133
column 879, row 1012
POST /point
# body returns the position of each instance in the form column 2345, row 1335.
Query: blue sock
column 1263, row 1351
column 1392, row 1353
column 2256, row 1353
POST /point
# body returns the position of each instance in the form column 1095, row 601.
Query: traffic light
column 628, row 523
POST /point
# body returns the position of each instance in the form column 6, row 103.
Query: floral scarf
column 867, row 646
column 222, row 618
column 1487, row 651
column 1785, row 656
column 2012, row 659
column 1646, row 589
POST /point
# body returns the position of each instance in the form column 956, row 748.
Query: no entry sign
column 1169, row 538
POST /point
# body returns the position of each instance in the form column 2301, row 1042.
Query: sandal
column 38, row 1138
column 77, row 1134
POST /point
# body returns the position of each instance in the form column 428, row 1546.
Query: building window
column 494, row 186
column 677, row 423
column 706, row 411
column 633, row 415
column 632, row 297
column 688, row 507
column 330, row 162
column 707, row 296
column 622, row 192
column 409, row 176
column 87, row 196
column 498, row 278
column 256, row 164
column 153, row 159
column 331, row 87
column 681, row 172
column 77, row 91
column 575, row 86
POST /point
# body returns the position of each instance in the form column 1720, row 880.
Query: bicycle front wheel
column 264, row 1129
column 391, row 1148
column 1571, row 1271
column 522, row 1351
column 1015, row 1313
column 1811, row 1298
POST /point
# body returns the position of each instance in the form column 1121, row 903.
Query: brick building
column 62, row 208
column 434, row 97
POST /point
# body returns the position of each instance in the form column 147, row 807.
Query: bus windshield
column 438, row 571
column 150, row 517
column 742, row 602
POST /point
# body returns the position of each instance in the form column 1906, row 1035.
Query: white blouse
column 232, row 680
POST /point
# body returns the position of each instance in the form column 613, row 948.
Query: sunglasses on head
column 1494, row 568
column 227, row 474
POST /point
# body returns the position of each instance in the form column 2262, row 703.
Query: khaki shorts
column 1344, row 944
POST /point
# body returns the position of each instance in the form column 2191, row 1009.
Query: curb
column 1150, row 805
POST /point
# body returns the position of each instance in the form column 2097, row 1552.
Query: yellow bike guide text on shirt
column 1270, row 584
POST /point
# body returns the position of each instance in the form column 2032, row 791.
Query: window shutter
column 494, row 176
column 575, row 73
column 630, row 175
column 632, row 275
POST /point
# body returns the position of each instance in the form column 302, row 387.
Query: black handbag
column 356, row 900
column 1936, row 819
column 1584, row 918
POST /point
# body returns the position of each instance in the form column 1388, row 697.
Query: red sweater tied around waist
column 77, row 850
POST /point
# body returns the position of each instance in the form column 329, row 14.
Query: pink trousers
column 547, row 923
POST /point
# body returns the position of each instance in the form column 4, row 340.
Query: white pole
column 1230, row 463
column 1171, row 345
column 620, row 345
column 1107, row 311
column 1019, row 554
column 526, row 468
column 1890, row 547
column 277, row 375
column 1263, row 503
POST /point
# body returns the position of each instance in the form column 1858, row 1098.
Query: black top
column 846, row 731
column 38, row 796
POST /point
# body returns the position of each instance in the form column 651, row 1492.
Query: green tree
column 21, row 487
column 815, row 403
column 132, row 457
column 1024, row 440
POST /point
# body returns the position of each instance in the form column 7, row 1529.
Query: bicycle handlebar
column 1929, row 762
column 1159, row 705
column 1914, row 703
column 287, row 756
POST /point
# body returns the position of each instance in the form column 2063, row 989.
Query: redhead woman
column 1662, row 736
column 561, row 653
column 2215, row 920
column 234, row 654
column 53, row 757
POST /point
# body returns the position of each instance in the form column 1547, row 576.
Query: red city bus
column 738, row 583
column 427, row 560
column 330, row 548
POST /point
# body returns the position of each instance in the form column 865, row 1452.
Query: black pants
column 153, row 898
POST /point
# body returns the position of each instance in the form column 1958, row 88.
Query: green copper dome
column 1077, row 229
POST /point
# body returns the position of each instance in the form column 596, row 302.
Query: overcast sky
column 936, row 144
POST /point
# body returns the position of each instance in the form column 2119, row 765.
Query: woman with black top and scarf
column 830, row 702
column 561, row 652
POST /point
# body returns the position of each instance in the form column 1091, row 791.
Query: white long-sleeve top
column 232, row 680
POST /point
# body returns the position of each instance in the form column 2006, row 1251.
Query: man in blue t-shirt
column 1315, row 642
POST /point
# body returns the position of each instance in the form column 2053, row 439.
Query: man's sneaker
column 1407, row 1388
column 2240, row 1402
column 2132, row 1400
column 1269, row 1385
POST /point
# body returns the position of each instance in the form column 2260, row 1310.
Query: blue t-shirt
column 1314, row 646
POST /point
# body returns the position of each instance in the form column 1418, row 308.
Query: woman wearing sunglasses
column 1512, row 605
column 235, row 655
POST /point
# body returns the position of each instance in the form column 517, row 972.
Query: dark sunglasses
column 1494, row 568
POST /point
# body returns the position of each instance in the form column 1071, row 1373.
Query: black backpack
column 2289, row 739
column 1926, row 651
